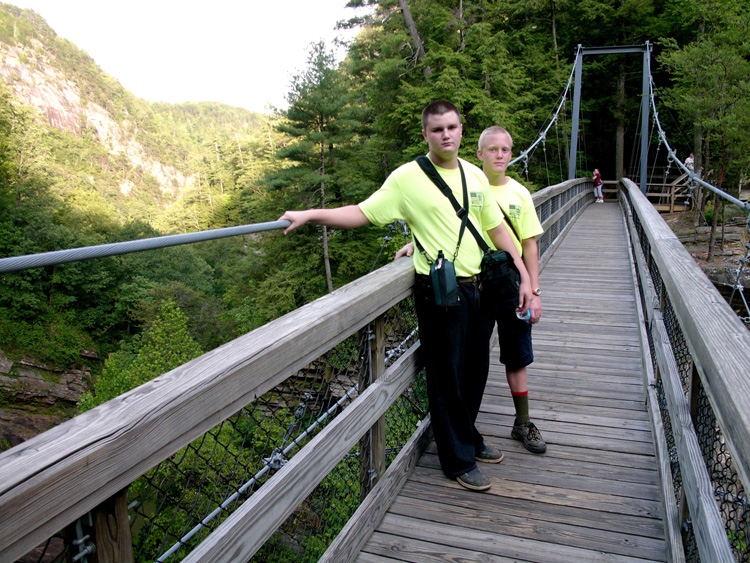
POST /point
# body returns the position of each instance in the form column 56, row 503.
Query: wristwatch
column 537, row 291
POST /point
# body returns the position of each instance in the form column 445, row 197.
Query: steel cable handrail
column 17, row 263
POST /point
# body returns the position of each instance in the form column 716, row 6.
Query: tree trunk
column 461, row 27
column 412, row 27
column 326, row 256
column 554, row 31
column 704, row 196
column 717, row 200
column 712, row 237
column 239, row 149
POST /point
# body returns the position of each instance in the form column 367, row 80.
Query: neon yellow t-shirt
column 516, row 201
column 409, row 194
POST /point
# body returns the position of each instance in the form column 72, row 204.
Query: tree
column 711, row 89
column 317, row 123
column 166, row 345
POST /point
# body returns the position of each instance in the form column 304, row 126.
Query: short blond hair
column 493, row 131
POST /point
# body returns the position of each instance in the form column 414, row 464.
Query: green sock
column 521, row 403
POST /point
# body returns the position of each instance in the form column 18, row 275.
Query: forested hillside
column 84, row 162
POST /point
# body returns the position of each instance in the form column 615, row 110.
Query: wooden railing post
column 102, row 535
column 111, row 534
column 372, row 445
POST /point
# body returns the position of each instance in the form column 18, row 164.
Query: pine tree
column 163, row 347
column 317, row 123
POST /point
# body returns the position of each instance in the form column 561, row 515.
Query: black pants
column 455, row 342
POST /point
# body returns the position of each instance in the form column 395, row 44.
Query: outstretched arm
column 501, row 239
column 348, row 217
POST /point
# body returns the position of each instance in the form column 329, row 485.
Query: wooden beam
column 363, row 522
column 710, row 532
column 112, row 531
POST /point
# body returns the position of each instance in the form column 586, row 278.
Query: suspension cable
column 387, row 238
column 278, row 457
column 695, row 179
column 525, row 154
column 16, row 263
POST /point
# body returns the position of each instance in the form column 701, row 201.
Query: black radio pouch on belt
column 444, row 283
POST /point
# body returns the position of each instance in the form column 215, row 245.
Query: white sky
column 238, row 53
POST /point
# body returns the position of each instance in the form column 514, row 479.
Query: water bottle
column 525, row 317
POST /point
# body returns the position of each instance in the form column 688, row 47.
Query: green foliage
column 738, row 540
column 166, row 345
column 711, row 91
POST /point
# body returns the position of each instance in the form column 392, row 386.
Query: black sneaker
column 530, row 436
column 474, row 480
column 489, row 455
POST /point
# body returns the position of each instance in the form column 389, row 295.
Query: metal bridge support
column 581, row 51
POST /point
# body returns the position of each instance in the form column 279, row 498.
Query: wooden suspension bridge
column 639, row 386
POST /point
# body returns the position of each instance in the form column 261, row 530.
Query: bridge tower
column 580, row 52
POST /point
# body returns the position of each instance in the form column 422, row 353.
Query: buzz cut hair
column 494, row 130
column 438, row 107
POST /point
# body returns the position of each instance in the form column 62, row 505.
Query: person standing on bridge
column 514, row 335
column 690, row 163
column 455, row 339
column 598, row 186
column 495, row 152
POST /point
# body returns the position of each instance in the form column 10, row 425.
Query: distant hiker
column 598, row 186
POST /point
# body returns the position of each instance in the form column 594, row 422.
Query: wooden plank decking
column 594, row 495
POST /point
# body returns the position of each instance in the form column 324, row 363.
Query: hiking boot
column 530, row 436
column 489, row 455
column 474, row 480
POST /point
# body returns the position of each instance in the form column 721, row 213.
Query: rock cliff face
column 35, row 80
column 35, row 392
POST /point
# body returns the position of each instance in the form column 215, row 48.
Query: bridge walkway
column 594, row 495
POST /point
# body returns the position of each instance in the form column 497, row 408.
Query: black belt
column 473, row 279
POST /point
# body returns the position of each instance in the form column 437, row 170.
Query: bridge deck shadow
column 594, row 496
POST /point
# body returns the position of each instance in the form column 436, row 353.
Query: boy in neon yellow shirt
column 455, row 339
column 495, row 146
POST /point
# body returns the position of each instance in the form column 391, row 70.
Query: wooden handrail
column 718, row 343
column 718, row 340
column 551, row 192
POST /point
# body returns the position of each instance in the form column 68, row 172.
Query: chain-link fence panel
column 177, row 504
